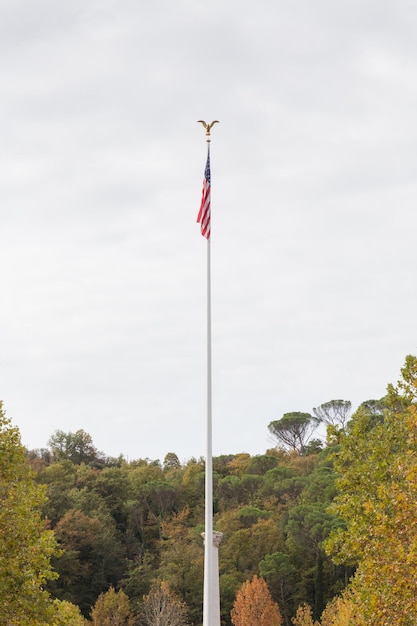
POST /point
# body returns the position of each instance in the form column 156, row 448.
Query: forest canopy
column 326, row 527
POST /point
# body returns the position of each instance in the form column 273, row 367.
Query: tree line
column 319, row 532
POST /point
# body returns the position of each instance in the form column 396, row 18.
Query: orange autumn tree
column 254, row 605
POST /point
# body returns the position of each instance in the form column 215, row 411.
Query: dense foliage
column 25, row 544
column 129, row 525
column 125, row 526
column 329, row 527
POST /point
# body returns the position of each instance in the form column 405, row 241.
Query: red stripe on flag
column 204, row 214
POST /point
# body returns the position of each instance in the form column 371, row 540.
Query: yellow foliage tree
column 67, row 614
column 304, row 616
column 377, row 465
column 254, row 605
column 340, row 612
column 112, row 609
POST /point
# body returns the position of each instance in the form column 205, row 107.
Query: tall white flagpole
column 211, row 613
column 208, row 543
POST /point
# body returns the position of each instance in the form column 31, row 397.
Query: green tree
column 246, row 547
column 284, row 485
column 293, row 430
column 161, row 499
column 76, row 447
column 113, row 486
column 26, row 547
column 138, row 576
column 299, row 571
column 192, row 487
column 92, row 559
column 171, row 461
column 229, row 492
column 281, row 575
column 333, row 413
column 375, row 409
column 181, row 561
column 151, row 500
column 59, row 479
column 261, row 463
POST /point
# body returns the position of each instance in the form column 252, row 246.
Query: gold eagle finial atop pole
column 208, row 127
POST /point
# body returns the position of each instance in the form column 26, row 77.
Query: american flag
column 203, row 217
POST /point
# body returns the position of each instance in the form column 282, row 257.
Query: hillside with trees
column 315, row 533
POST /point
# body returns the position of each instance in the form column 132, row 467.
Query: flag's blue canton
column 207, row 170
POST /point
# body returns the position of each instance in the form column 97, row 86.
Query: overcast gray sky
column 314, row 218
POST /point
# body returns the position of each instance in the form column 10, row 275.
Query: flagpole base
column 211, row 606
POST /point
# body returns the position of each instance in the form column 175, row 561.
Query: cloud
column 103, row 268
